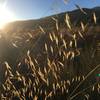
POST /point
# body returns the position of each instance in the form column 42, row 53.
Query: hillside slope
column 76, row 16
column 61, row 63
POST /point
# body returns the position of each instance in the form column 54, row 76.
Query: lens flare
column 6, row 16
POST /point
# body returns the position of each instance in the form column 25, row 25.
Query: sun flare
column 6, row 16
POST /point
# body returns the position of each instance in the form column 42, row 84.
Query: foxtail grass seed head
column 67, row 20
column 42, row 30
column 82, row 26
column 94, row 18
column 77, row 6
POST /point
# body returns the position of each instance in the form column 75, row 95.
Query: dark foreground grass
column 63, row 65
column 62, row 71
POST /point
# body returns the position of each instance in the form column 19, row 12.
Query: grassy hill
column 47, row 23
column 25, row 34
column 59, row 60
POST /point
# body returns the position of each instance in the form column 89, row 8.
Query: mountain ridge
column 76, row 16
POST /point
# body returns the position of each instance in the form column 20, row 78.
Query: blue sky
column 33, row 9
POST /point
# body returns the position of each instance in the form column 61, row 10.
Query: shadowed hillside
column 47, row 23
column 23, row 35
column 59, row 60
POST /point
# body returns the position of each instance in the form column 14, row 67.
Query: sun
column 6, row 16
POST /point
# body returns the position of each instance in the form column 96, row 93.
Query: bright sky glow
column 34, row 9
column 6, row 16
